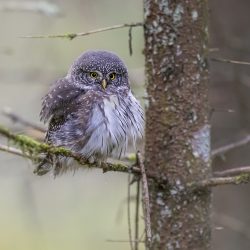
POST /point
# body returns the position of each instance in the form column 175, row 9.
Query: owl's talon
column 104, row 167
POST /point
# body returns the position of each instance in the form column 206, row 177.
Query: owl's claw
column 44, row 166
column 104, row 166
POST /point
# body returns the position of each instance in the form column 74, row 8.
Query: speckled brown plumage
column 90, row 118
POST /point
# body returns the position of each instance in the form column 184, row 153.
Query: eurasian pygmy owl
column 91, row 111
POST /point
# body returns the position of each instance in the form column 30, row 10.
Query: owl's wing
column 74, row 127
column 68, row 127
column 56, row 102
column 68, row 107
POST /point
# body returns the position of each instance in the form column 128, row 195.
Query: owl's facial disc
column 99, row 70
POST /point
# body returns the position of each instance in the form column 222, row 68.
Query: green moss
column 34, row 148
column 243, row 178
column 131, row 157
column 71, row 36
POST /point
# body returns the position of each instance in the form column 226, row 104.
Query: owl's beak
column 104, row 84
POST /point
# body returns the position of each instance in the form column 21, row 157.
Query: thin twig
column 213, row 110
column 142, row 235
column 230, row 146
column 130, row 41
column 137, row 207
column 129, row 214
column 13, row 151
column 145, row 198
column 124, row 241
column 74, row 35
column 18, row 119
column 218, row 181
column 223, row 60
column 223, row 110
column 232, row 223
column 213, row 49
column 233, row 171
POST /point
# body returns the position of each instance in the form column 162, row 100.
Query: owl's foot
column 95, row 161
column 48, row 164
column 44, row 166
column 104, row 166
column 42, row 170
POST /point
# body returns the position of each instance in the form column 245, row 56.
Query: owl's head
column 99, row 70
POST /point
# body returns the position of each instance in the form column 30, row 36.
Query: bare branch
column 232, row 223
column 13, row 151
column 145, row 197
column 233, row 171
column 213, row 50
column 18, row 119
column 129, row 214
column 137, row 214
column 124, row 241
column 74, row 35
column 230, row 146
column 215, row 109
column 43, row 7
column 229, row 61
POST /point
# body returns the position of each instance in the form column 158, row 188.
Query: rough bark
column 177, row 130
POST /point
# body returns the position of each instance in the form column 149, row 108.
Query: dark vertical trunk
column 177, row 130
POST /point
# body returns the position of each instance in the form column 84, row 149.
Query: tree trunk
column 177, row 131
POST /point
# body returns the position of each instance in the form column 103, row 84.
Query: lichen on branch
column 34, row 149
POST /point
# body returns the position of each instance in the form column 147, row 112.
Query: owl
column 91, row 111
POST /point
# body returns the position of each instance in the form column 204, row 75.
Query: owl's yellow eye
column 112, row 76
column 93, row 74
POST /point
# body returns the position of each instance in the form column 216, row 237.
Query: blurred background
column 230, row 89
column 86, row 209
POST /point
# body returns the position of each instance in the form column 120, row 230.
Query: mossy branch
column 71, row 36
column 33, row 150
column 243, row 178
